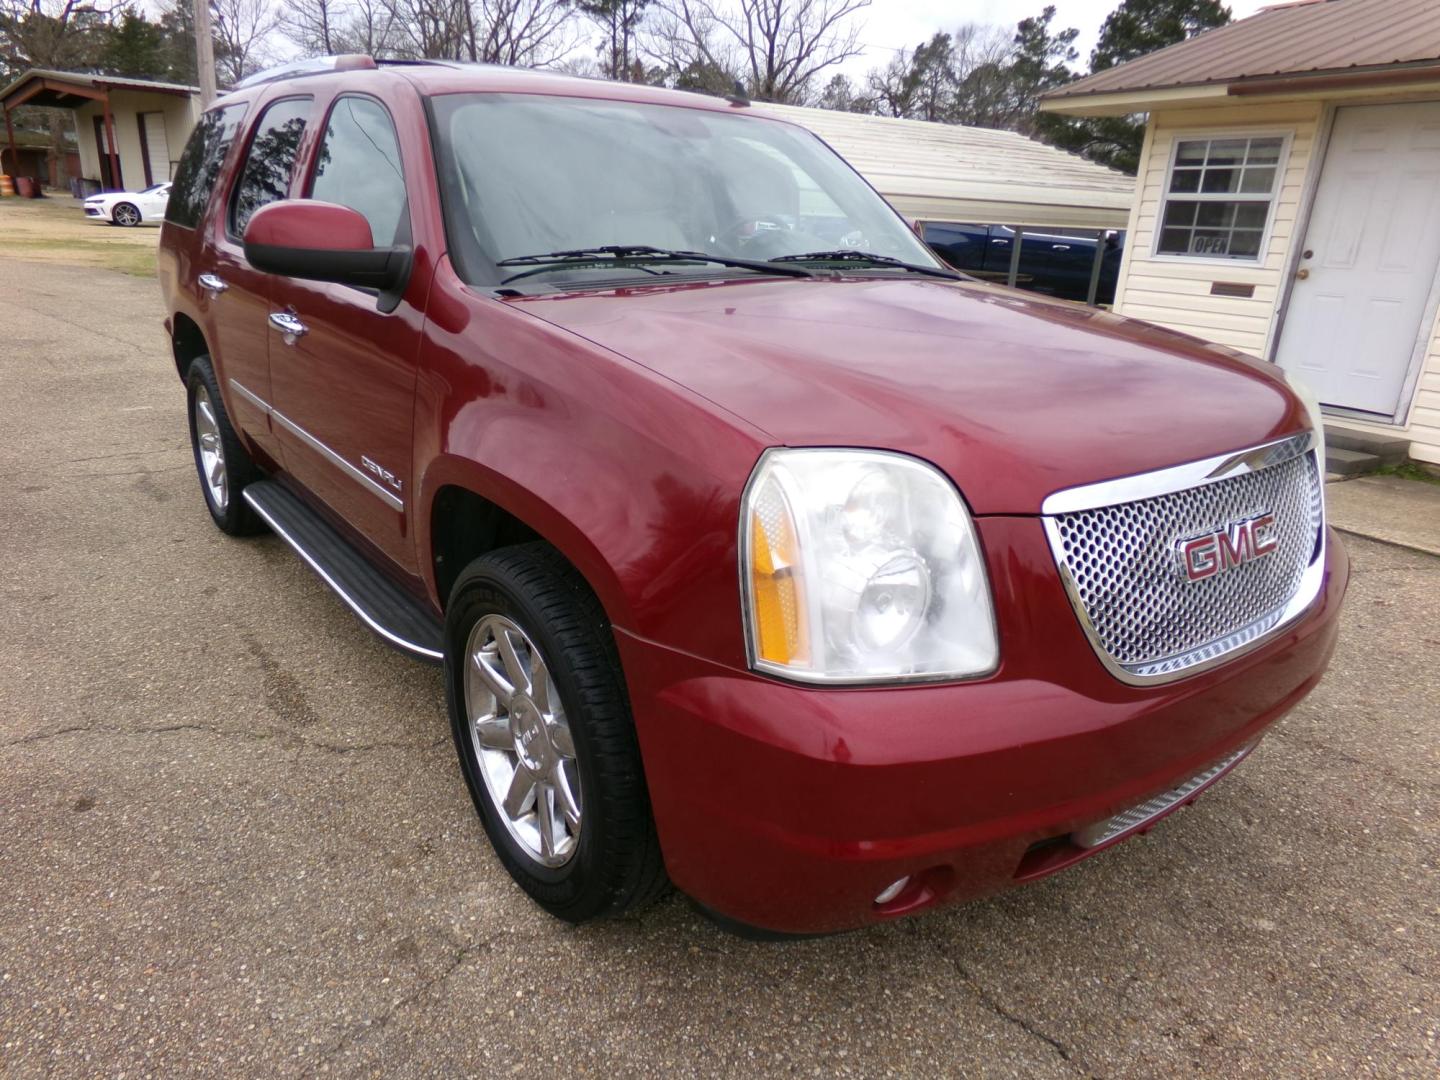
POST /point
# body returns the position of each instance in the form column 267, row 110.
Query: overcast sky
column 895, row 24
column 890, row 25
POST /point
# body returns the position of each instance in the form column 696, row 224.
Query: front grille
column 1141, row 612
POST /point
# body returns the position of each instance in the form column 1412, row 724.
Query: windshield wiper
column 851, row 255
column 638, row 254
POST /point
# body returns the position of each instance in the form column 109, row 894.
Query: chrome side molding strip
column 1192, row 474
column 354, row 605
column 356, row 474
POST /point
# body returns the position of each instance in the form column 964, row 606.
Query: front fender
column 635, row 479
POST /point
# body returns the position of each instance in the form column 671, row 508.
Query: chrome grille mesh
column 1145, row 615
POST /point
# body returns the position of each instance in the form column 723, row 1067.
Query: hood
column 1015, row 397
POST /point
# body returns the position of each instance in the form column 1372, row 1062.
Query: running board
column 381, row 604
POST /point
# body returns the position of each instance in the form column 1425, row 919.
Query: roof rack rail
column 319, row 65
column 390, row 61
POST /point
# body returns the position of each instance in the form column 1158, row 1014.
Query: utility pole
column 204, row 53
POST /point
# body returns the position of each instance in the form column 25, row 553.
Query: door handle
column 212, row 284
column 1303, row 273
column 289, row 326
column 1061, row 247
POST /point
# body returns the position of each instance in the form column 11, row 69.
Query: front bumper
column 791, row 808
column 97, row 213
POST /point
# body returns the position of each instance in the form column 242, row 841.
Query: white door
column 157, row 147
column 1369, row 262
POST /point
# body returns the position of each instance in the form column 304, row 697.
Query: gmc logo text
column 1226, row 548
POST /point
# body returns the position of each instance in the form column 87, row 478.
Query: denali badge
column 1226, row 548
column 381, row 472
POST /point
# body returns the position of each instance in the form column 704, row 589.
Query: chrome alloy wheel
column 211, row 450
column 522, row 740
column 126, row 215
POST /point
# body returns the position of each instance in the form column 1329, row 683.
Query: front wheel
column 223, row 466
column 125, row 214
column 543, row 730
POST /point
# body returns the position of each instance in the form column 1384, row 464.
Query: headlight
column 1317, row 419
column 862, row 566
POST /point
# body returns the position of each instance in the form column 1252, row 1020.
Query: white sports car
column 130, row 207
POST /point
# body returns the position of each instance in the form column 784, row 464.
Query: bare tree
column 316, row 26
column 777, row 48
column 242, row 29
column 429, row 29
column 619, row 21
column 520, row 33
column 370, row 29
column 959, row 78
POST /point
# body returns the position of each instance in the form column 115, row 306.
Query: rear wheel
column 125, row 214
column 221, row 462
column 543, row 730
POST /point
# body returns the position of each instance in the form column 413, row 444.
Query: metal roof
column 1311, row 37
column 97, row 82
column 946, row 172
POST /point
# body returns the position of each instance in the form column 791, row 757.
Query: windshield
column 526, row 175
column 154, row 188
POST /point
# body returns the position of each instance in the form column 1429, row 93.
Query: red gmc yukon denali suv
column 764, row 554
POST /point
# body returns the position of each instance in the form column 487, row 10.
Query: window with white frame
column 1218, row 197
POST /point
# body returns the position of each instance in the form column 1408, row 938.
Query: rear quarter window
column 199, row 165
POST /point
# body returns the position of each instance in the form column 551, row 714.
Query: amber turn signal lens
column 774, row 582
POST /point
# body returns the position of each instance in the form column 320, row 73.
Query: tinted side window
column 359, row 166
column 270, row 160
column 199, row 165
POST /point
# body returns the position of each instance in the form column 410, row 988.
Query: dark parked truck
column 763, row 556
column 1053, row 263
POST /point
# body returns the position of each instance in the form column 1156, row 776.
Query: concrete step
column 1342, row 462
column 1389, row 449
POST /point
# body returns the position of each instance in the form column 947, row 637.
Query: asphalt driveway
column 234, row 839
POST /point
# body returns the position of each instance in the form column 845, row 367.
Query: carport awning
column 71, row 89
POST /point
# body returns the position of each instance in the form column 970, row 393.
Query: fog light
column 892, row 891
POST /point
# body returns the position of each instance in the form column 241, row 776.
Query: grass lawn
column 54, row 229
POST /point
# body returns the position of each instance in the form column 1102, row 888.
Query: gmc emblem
column 1226, row 548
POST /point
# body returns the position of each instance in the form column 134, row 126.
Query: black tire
column 616, row 865
column 235, row 516
column 132, row 212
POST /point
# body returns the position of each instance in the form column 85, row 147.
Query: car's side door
column 342, row 368
column 239, row 294
column 152, row 204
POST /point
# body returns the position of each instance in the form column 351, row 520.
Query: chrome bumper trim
column 1138, row 816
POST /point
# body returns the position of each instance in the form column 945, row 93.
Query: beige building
column 129, row 132
column 1288, row 200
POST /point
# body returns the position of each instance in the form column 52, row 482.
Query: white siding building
column 1288, row 200
column 129, row 132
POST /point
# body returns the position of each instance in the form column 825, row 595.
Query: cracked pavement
column 234, row 839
